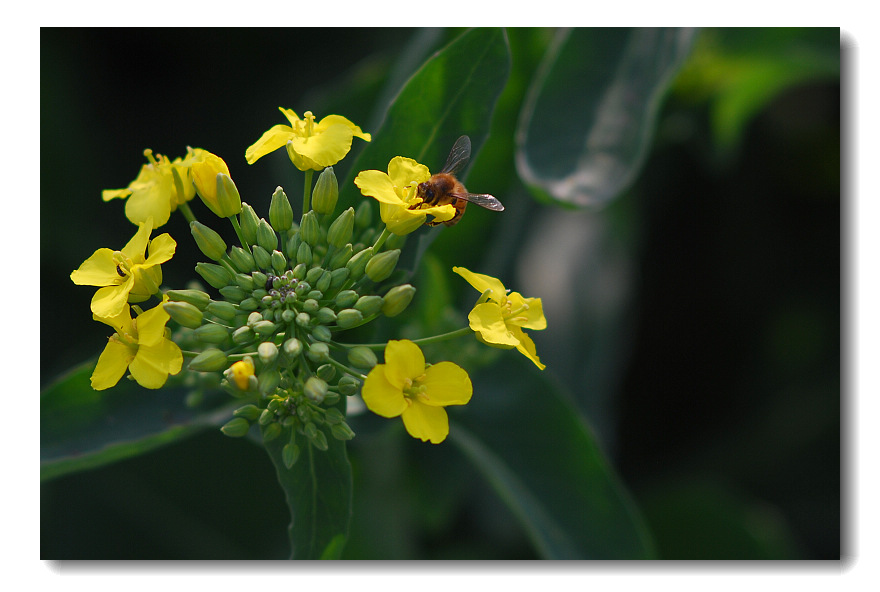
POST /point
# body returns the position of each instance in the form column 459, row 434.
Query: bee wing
column 458, row 156
column 484, row 200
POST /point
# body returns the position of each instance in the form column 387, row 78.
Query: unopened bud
column 397, row 299
column 195, row 297
column 245, row 282
column 236, row 427
column 358, row 263
column 222, row 310
column 266, row 237
column 382, row 265
column 326, row 192
column 265, row 328
column 348, row 385
column 304, row 254
column 322, row 333
column 290, row 454
column 209, row 242
column 217, row 276
column 233, row 293
column 184, row 314
column 318, row 352
column 363, row 216
column 346, row 299
column 341, row 229
column 249, row 221
column 262, row 257
column 369, row 305
column 280, row 212
column 341, row 431
column 250, row 412
column 267, row 351
column 293, row 347
column 241, row 259
column 348, row 318
column 341, row 257
column 362, row 357
column 268, row 381
column 210, row 360
column 271, row 431
column 309, row 230
column 315, row 389
column 211, row 333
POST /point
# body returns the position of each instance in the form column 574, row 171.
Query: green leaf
column 531, row 444
column 81, row 428
column 452, row 94
column 588, row 118
column 318, row 491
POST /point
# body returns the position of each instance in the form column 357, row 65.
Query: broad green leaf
column 452, row 94
column 588, row 118
column 530, row 442
column 318, row 493
column 81, row 428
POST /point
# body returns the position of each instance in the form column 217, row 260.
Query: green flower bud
column 268, row 381
column 265, row 328
column 228, row 198
column 233, row 293
column 288, row 316
column 222, row 310
column 290, row 454
column 326, row 372
column 341, row 229
column 318, row 352
column 311, row 306
column 249, row 304
column 313, row 274
column 279, row 262
column 292, row 347
column 184, row 314
column 266, row 237
column 280, row 212
column 341, row 431
column 249, row 412
column 319, row 441
column 266, row 417
column 362, row 357
column 304, row 254
column 395, row 241
column 346, row 299
column 382, row 265
column 248, row 220
column 210, row 360
column 315, row 295
column 243, row 335
column 209, row 242
column 267, row 351
column 236, row 428
column 292, row 245
column 315, row 389
column 299, row 272
column 326, row 192
column 341, row 257
column 397, row 299
column 309, row 228
column 358, row 263
column 259, row 278
column 262, row 257
column 323, row 283
column 322, row 333
column 333, row 416
column 348, row 318
column 195, row 297
column 325, row 316
column 338, row 277
column 241, row 259
column 369, row 305
column 363, row 216
column 302, row 288
column 271, row 431
column 217, row 276
column 211, row 333
column 245, row 282
column 253, row 319
column 303, row 319
column 348, row 385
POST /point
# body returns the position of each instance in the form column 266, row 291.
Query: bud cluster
column 284, row 295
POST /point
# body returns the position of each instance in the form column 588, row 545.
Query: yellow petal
column 97, row 270
column 380, row 396
column 404, row 362
column 154, row 203
column 111, row 300
column 153, row 363
column 487, row 320
column 446, row 384
column 161, row 249
column 151, row 325
column 109, row 194
column 527, row 347
column 112, row 364
column 406, row 172
column 532, row 314
column 482, row 283
column 426, row 423
column 271, row 140
column 137, row 246
column 326, row 148
column 340, row 120
column 378, row 185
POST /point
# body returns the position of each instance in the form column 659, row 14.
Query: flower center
column 309, row 124
column 123, row 264
column 414, row 389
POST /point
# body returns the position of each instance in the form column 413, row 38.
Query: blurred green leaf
column 81, row 428
column 530, row 442
column 318, row 493
column 588, row 119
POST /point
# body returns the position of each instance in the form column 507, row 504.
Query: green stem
column 307, row 190
column 381, row 240
column 238, row 233
column 187, row 213
column 423, row 341
column 346, row 369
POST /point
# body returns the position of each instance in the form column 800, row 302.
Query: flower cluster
column 273, row 332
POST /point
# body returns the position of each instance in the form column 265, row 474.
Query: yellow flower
column 500, row 319
column 126, row 275
column 396, row 194
column 155, row 193
column 241, row 372
column 140, row 345
column 310, row 145
column 210, row 175
column 405, row 386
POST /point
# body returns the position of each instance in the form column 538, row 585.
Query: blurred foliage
column 694, row 321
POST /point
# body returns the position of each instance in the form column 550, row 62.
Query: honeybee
column 444, row 188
